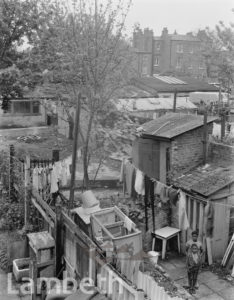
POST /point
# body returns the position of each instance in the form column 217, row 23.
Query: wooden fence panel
column 152, row 289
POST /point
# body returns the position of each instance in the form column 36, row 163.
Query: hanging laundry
column 164, row 194
column 140, row 183
column 40, row 169
column 35, row 178
column 64, row 174
column 183, row 218
column 158, row 186
column 209, row 219
column 58, row 166
column 54, row 180
column 43, row 178
column 129, row 178
column 173, row 196
column 47, row 174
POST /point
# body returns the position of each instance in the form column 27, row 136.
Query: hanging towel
column 40, row 183
column 54, row 180
column 183, row 218
column 158, row 187
column 35, row 178
column 209, row 219
column 164, row 194
column 173, row 196
column 129, row 178
column 140, row 183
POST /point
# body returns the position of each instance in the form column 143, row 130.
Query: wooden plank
column 45, row 264
column 194, row 214
column 189, row 216
column 228, row 251
column 73, row 227
column 209, row 251
column 201, row 220
column 42, row 212
column 45, row 206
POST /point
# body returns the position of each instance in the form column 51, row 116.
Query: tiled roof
column 174, row 124
column 206, row 180
column 187, row 84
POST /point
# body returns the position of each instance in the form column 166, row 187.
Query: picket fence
column 152, row 289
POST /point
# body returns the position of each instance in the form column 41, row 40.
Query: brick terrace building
column 168, row 53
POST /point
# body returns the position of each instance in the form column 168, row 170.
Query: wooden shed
column 211, row 185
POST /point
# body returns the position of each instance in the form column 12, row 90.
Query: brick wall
column 218, row 151
column 187, row 151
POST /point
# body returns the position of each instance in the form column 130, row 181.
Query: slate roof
column 174, row 124
column 206, row 180
column 189, row 85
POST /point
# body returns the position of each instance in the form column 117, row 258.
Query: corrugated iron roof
column 206, row 180
column 174, row 124
column 183, row 84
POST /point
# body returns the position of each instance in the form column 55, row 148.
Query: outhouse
column 42, row 257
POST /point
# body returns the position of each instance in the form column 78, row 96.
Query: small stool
column 165, row 234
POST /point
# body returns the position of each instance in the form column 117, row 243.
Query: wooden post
column 58, row 237
column 27, row 194
column 174, row 103
column 33, row 276
column 74, row 153
column 205, row 137
column 223, row 122
column 11, row 171
column 146, row 204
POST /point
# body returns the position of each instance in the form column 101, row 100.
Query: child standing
column 193, row 241
column 193, row 265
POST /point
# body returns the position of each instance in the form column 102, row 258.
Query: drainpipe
column 205, row 137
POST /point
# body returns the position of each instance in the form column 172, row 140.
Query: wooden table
column 165, row 234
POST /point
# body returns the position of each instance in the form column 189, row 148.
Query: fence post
column 58, row 236
column 27, row 193
column 11, row 171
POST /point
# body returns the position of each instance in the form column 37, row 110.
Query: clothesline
column 138, row 183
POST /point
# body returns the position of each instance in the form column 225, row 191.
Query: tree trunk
column 86, row 152
column 71, row 129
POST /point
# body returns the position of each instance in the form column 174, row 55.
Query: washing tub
column 21, row 268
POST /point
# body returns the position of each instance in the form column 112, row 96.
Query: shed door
column 221, row 228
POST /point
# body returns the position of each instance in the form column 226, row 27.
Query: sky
column 180, row 15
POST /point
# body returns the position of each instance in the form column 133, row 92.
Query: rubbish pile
column 29, row 138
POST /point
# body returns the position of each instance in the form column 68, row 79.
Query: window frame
column 30, row 112
column 156, row 58
column 180, row 48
